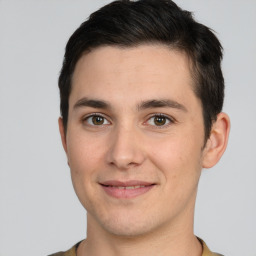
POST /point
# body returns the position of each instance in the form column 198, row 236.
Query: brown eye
column 98, row 120
column 159, row 120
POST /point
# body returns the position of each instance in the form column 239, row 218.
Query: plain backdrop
column 39, row 212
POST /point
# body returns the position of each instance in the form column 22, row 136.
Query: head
column 127, row 24
column 141, row 94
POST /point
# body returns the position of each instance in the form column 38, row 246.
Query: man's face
column 134, row 138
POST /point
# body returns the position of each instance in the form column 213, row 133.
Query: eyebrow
column 93, row 103
column 161, row 104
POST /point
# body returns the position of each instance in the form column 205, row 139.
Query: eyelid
column 86, row 117
column 169, row 118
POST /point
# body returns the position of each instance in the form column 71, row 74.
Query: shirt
column 72, row 251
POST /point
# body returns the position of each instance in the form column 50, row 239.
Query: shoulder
column 70, row 252
column 206, row 250
column 58, row 254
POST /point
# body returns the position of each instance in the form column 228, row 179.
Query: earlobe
column 217, row 142
column 62, row 134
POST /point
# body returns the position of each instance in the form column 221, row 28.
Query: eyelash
column 86, row 118
column 169, row 120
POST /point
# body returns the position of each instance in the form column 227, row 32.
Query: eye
column 159, row 120
column 96, row 120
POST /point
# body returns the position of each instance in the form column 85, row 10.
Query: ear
column 62, row 134
column 217, row 142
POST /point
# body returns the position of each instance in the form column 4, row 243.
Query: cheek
column 84, row 156
column 83, row 160
column 178, row 157
column 83, row 152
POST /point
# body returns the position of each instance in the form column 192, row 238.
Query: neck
column 170, row 240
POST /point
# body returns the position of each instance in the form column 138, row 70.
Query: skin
column 129, row 142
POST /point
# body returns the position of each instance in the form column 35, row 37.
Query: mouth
column 126, row 190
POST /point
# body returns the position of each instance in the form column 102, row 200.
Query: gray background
column 40, row 213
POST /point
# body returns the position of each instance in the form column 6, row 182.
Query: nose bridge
column 125, row 148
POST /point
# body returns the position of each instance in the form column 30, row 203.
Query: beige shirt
column 72, row 251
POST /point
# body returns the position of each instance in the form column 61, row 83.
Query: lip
column 127, row 189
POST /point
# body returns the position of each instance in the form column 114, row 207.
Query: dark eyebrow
column 160, row 104
column 93, row 103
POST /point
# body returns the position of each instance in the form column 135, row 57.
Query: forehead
column 144, row 71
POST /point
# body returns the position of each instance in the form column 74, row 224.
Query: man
column 141, row 96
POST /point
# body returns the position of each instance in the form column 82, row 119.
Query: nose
column 126, row 149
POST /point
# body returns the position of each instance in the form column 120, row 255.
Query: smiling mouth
column 129, row 187
column 126, row 190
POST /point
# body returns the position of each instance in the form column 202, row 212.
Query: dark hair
column 127, row 23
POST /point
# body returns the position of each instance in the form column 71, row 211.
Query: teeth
column 130, row 187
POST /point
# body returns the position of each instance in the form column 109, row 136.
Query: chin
column 127, row 225
column 127, row 229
